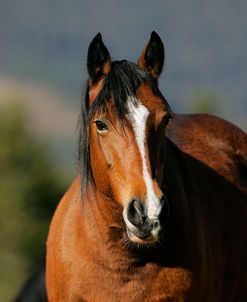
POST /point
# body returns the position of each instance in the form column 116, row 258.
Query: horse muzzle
column 141, row 228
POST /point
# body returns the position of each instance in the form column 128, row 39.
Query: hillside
column 49, row 115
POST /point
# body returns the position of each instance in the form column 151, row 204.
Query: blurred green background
column 30, row 186
column 43, row 47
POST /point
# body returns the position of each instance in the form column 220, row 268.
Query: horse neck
column 185, row 214
column 174, row 173
column 181, row 185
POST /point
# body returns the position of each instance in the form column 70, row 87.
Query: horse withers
column 159, row 210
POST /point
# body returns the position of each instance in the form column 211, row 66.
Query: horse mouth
column 143, row 231
column 142, row 238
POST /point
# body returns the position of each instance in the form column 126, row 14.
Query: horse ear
column 98, row 59
column 153, row 56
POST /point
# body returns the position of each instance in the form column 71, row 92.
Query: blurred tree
column 30, row 188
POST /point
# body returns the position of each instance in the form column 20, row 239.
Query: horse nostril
column 135, row 213
column 155, row 224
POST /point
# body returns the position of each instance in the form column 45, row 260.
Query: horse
column 158, row 211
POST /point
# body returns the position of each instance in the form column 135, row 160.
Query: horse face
column 128, row 151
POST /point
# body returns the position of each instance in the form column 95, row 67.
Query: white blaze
column 138, row 116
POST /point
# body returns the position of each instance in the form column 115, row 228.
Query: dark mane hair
column 121, row 82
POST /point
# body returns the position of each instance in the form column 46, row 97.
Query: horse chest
column 143, row 284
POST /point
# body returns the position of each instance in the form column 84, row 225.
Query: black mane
column 121, row 82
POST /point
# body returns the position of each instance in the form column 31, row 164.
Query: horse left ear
column 153, row 56
column 98, row 59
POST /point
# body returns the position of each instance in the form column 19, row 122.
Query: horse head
column 122, row 137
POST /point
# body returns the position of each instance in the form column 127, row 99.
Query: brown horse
column 159, row 212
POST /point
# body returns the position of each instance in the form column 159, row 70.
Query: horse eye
column 101, row 126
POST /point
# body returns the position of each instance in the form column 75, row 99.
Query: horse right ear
column 98, row 59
